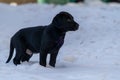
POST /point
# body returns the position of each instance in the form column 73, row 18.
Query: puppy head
column 65, row 22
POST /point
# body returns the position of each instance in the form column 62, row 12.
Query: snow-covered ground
column 91, row 53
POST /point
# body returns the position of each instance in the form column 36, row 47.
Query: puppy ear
column 66, row 14
column 60, row 16
column 57, row 20
column 63, row 13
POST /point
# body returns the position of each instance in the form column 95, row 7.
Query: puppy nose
column 77, row 25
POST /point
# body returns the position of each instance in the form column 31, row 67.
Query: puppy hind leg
column 27, row 55
column 20, row 49
column 29, row 52
column 17, row 58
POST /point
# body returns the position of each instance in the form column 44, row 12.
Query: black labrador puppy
column 42, row 39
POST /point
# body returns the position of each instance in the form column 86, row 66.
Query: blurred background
column 54, row 1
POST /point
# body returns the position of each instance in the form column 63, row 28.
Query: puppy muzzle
column 76, row 27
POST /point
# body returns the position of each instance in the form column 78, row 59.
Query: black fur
column 42, row 39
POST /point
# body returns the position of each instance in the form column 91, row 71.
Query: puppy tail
column 11, row 52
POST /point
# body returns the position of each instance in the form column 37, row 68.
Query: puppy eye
column 69, row 20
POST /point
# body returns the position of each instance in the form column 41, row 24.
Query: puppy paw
column 53, row 65
column 43, row 64
column 16, row 62
column 48, row 66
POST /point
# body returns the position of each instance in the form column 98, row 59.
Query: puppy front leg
column 53, row 57
column 43, row 57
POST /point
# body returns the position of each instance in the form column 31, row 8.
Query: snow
column 90, row 53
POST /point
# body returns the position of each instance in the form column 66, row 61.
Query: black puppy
column 42, row 39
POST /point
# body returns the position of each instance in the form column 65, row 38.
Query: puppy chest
column 56, row 45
